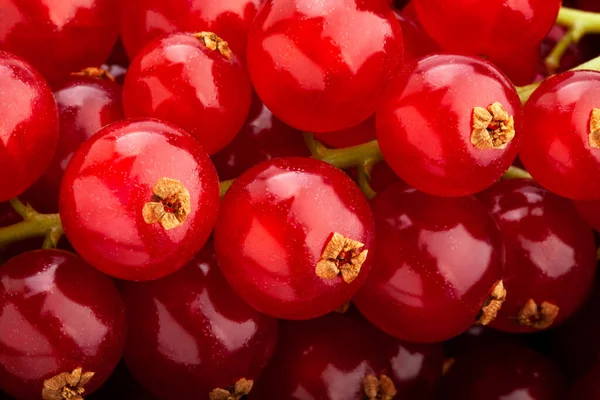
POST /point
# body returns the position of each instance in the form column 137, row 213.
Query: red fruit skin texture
column 263, row 137
column 179, row 80
column 493, row 28
column 590, row 212
column 503, row 370
column 189, row 333
column 143, row 20
column 57, row 313
column 359, row 134
column 59, row 37
column 588, row 387
column 436, row 260
column 29, row 126
column 274, row 224
column 556, row 150
column 550, row 252
column 417, row 43
column 324, row 358
column 425, row 122
column 107, row 183
column 85, row 105
column 323, row 66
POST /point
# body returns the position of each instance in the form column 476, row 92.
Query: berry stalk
column 34, row 224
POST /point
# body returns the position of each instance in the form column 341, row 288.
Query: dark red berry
column 588, row 387
column 29, row 127
column 193, row 81
column 562, row 147
column 589, row 210
column 417, row 42
column 139, row 199
column 85, row 105
column 322, row 67
column 359, row 134
column 58, row 37
column 294, row 238
column 448, row 136
column 437, row 260
column 57, row 314
column 190, row 334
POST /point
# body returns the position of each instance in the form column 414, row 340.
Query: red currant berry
column 521, row 66
column 359, row 134
column 438, row 260
column 190, row 334
column 479, row 27
column 262, row 138
column 503, row 370
column 139, row 199
column 446, row 135
column 590, row 212
column 550, row 255
column 294, row 238
column 57, row 36
column 85, row 105
column 29, row 127
column 562, row 147
column 329, row 358
column 588, row 387
column 382, row 177
column 57, row 315
column 417, row 43
column 322, row 67
column 143, row 20
column 193, row 81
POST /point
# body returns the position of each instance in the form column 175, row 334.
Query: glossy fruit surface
column 275, row 223
column 29, row 127
column 57, row 313
column 58, row 37
column 143, row 20
column 178, row 79
column 263, row 137
column 550, row 255
column 117, row 178
column 325, row 358
column 479, row 27
column 417, row 42
column 425, row 125
column 322, row 67
column 437, row 260
column 559, row 150
column 85, row 105
column 590, row 212
column 503, row 370
column 189, row 333
column 359, row 134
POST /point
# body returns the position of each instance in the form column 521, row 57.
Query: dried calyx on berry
column 493, row 128
column 214, row 42
column 342, row 256
column 492, row 305
column 537, row 316
column 94, row 72
column 594, row 136
column 381, row 388
column 170, row 204
column 66, row 385
column 241, row 388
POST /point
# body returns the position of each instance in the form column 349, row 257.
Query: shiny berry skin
column 189, row 333
column 590, row 212
column 144, row 20
column 436, row 260
column 29, row 127
column 275, row 222
column 178, row 79
column 425, row 125
column 417, row 42
column 322, row 67
column 481, row 27
column 325, row 358
column 263, row 137
column 57, row 313
column 58, row 37
column 503, row 370
column 113, row 178
column 359, row 134
column 558, row 149
column 85, row 105
column 550, row 254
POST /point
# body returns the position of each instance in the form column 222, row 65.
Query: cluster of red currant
column 299, row 199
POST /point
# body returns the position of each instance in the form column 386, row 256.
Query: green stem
column 225, row 185
column 584, row 22
column 38, row 225
column 352, row 157
column 516, row 173
column 364, row 179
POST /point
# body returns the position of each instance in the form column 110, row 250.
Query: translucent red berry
column 294, row 238
column 139, row 199
column 323, row 67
